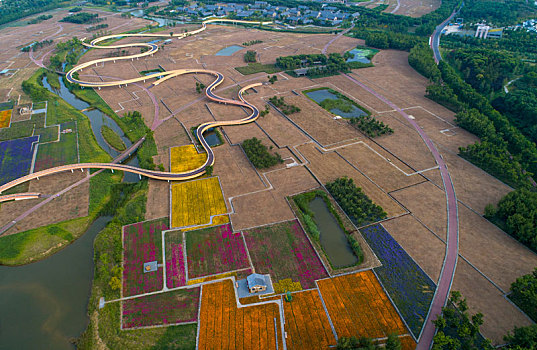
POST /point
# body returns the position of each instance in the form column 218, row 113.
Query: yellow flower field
column 186, row 158
column 194, row 202
column 5, row 118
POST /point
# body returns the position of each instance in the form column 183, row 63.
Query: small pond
column 321, row 95
column 228, row 51
column 44, row 304
column 333, row 238
column 360, row 55
column 212, row 138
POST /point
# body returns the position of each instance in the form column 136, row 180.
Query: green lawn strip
column 22, row 129
column 343, row 102
column 35, row 244
column 64, row 151
column 253, row 68
column 113, row 139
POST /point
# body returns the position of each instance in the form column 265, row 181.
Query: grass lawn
column 112, row 138
column 53, row 154
column 253, row 68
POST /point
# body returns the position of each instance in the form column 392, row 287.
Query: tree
column 250, row 56
column 524, row 293
column 209, row 170
column 393, row 342
column 522, row 338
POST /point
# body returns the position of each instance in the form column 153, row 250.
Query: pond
column 44, row 304
column 212, row 138
column 161, row 21
column 360, row 55
column 97, row 120
column 324, row 94
column 228, row 51
column 333, row 239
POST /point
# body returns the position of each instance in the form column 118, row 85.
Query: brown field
column 499, row 315
column 412, row 8
column 359, row 307
column 73, row 204
column 425, row 248
column 223, row 325
column 329, row 166
column 306, row 322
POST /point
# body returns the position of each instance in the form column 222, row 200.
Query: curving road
column 162, row 77
column 425, row 340
column 434, row 40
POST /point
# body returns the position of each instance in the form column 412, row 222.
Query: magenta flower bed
column 142, row 242
column 283, row 251
column 215, row 250
column 161, row 309
column 175, row 265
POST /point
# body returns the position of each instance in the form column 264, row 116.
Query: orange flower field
column 5, row 118
column 306, row 322
column 358, row 306
column 224, row 326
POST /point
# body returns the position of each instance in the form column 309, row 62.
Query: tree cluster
column 250, row 56
column 11, row 10
column 354, row 202
column 82, row 18
column 97, row 27
column 371, row 126
column 524, row 294
column 37, row 45
column 287, row 109
column 39, row 19
column 259, row 155
column 353, row 343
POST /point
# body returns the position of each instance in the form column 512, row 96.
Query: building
column 256, row 283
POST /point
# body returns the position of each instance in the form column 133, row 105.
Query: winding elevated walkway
column 72, row 77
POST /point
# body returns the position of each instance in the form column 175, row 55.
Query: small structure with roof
column 254, row 284
column 150, row 266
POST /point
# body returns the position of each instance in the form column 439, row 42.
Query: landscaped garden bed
column 16, row 158
column 142, row 243
column 179, row 306
column 175, row 261
column 407, row 284
column 215, row 250
column 283, row 251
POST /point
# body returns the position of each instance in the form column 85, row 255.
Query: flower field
column 175, row 262
column 217, row 220
column 409, row 287
column 194, row 202
column 186, row 158
column 16, row 158
column 64, row 151
column 306, row 322
column 5, row 118
column 215, row 250
column 174, row 307
column 142, row 242
column 283, row 251
column 224, row 326
column 239, row 275
column 359, row 307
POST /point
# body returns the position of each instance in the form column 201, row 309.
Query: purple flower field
column 283, row 251
column 407, row 284
column 161, row 309
column 16, row 158
column 142, row 242
column 215, row 250
column 175, row 265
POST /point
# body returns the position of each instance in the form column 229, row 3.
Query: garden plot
column 224, row 326
column 175, row 307
column 175, row 261
column 186, row 158
column 409, row 287
column 306, row 322
column 194, row 202
column 359, row 307
column 16, row 158
column 283, row 251
column 215, row 250
column 58, row 152
column 142, row 243
column 5, row 118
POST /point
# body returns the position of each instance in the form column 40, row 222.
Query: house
column 256, row 283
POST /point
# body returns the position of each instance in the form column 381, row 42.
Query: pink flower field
column 161, row 309
column 215, row 250
column 175, row 262
column 141, row 244
column 283, row 251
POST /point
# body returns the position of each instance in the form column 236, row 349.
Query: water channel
column 333, row 238
column 44, row 304
column 97, row 120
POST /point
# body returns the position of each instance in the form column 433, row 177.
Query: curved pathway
column 434, row 40
column 72, row 76
column 425, row 340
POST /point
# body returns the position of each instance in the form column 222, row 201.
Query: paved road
column 434, row 40
column 425, row 340
column 325, row 48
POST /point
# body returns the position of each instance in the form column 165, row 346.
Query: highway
column 434, row 40
column 162, row 77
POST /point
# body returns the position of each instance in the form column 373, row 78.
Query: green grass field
column 253, row 68
column 53, row 154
